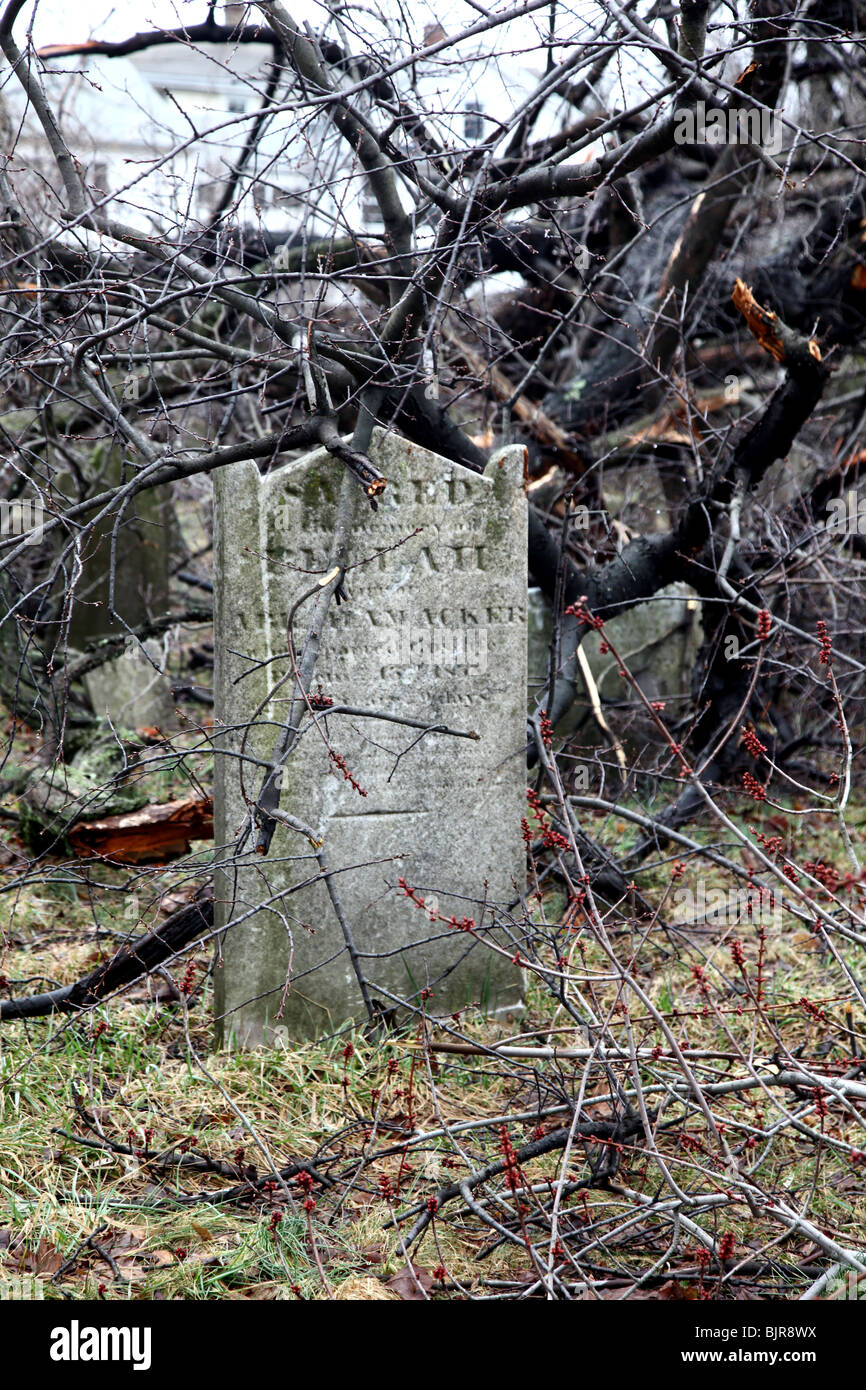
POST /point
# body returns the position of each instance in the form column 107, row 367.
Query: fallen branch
column 549, row 434
column 139, row 958
column 151, row 833
column 610, row 1131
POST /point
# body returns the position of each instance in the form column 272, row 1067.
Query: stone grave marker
column 434, row 630
column 659, row 639
column 131, row 689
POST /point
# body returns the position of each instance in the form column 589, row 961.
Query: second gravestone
column 434, row 631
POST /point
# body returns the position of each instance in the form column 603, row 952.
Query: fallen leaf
column 160, row 1259
column 129, row 1238
column 403, row 1283
column 674, row 1290
column 45, row 1259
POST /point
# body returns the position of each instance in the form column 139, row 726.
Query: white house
column 158, row 131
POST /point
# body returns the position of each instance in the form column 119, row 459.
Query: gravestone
column 435, row 631
column 131, row 690
column 659, row 639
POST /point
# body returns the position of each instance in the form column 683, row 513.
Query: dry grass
column 88, row 1105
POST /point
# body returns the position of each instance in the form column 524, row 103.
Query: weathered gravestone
column 659, row 639
column 132, row 690
column 435, row 630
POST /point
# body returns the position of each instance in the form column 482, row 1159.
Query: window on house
column 99, row 176
column 370, row 213
column 473, row 121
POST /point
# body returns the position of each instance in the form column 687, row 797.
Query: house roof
column 102, row 102
column 216, row 68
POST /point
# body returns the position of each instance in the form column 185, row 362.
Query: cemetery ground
column 134, row 1158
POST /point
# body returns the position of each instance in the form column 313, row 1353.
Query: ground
column 131, row 1153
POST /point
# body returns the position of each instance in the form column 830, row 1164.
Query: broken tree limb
column 367, row 474
column 127, row 965
column 768, row 329
column 549, row 434
column 152, row 832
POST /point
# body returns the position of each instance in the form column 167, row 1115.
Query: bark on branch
column 139, row 958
